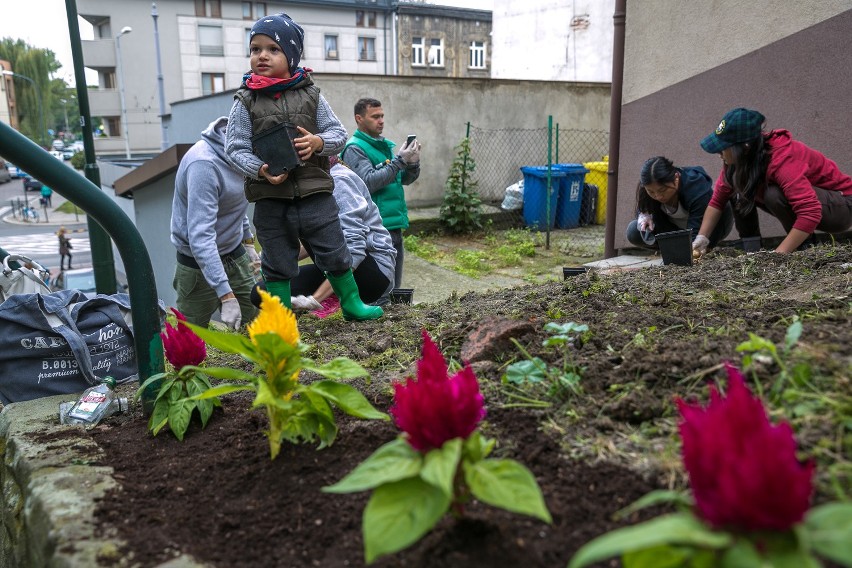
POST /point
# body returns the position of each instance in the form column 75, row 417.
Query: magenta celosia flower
column 436, row 408
column 743, row 471
column 182, row 346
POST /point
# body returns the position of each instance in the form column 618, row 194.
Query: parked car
column 4, row 172
column 67, row 154
column 14, row 170
column 32, row 184
column 82, row 279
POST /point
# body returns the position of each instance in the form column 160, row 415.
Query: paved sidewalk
column 51, row 217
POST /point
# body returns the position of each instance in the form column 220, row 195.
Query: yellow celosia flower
column 274, row 318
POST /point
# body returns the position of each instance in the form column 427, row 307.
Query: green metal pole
column 549, row 179
column 102, row 259
column 557, row 144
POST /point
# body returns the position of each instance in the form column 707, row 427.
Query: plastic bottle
column 95, row 404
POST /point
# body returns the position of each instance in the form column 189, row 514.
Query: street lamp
column 163, row 138
column 65, row 111
column 38, row 98
column 124, row 30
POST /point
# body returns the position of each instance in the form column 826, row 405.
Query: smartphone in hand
column 411, row 138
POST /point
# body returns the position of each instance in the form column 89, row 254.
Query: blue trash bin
column 570, row 201
column 535, row 196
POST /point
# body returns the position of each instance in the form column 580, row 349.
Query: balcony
column 99, row 53
column 104, row 102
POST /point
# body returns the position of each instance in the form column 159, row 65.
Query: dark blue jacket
column 696, row 189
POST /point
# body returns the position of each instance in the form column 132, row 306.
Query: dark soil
column 654, row 334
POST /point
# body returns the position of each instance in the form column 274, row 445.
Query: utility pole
column 164, row 139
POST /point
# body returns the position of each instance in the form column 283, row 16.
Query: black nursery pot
column 568, row 272
column 676, row 247
column 402, row 295
column 751, row 244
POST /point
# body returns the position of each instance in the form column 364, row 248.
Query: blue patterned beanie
column 289, row 36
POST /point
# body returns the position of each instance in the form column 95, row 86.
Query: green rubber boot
column 350, row 301
column 282, row 290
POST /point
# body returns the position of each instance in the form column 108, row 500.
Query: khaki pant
column 198, row 301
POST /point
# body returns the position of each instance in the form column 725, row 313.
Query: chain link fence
column 577, row 204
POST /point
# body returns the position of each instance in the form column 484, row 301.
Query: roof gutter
column 619, row 18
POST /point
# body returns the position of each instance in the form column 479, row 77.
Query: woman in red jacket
column 790, row 181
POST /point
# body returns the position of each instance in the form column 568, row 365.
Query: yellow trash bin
column 598, row 176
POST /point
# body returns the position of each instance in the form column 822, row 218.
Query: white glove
column 645, row 222
column 231, row 313
column 254, row 258
column 700, row 244
column 305, row 303
column 410, row 154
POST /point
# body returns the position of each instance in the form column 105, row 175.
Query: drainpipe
column 619, row 18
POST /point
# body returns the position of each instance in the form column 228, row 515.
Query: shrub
column 460, row 210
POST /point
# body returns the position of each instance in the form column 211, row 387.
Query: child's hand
column 308, row 144
column 274, row 180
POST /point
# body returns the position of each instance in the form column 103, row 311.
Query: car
column 82, row 279
column 67, row 154
column 32, row 184
column 57, row 154
column 14, row 170
column 5, row 175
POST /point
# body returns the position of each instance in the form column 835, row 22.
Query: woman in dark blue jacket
column 671, row 199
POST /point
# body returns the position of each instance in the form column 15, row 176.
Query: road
column 38, row 240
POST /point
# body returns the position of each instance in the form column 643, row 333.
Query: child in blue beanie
column 296, row 205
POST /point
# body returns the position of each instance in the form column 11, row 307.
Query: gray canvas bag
column 63, row 342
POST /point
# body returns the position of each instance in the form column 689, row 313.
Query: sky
column 49, row 29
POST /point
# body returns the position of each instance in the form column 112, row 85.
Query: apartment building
column 204, row 50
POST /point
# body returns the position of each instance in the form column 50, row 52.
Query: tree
column 461, row 208
column 34, row 105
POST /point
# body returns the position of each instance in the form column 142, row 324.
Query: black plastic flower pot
column 676, row 247
column 402, row 295
column 568, row 272
column 751, row 244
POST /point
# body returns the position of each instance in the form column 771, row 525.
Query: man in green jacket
column 371, row 156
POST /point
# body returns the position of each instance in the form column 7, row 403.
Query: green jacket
column 390, row 199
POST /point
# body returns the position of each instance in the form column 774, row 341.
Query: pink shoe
column 329, row 306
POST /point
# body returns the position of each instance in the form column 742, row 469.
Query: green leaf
column 794, row 332
column 676, row 529
column 477, row 447
column 151, row 379
column 783, row 550
column 348, row 399
column 205, row 410
column 394, row 461
column 220, row 390
column 742, row 554
column 829, row 531
column 506, row 484
column 159, row 416
column 399, row 514
column 326, row 427
column 180, row 413
column 528, row 371
column 228, row 374
column 757, row 343
column 663, row 556
column 658, row 497
column 440, row 466
column 337, row 368
column 225, row 341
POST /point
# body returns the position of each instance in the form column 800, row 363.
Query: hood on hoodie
column 214, row 135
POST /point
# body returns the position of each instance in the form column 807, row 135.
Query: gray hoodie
column 209, row 206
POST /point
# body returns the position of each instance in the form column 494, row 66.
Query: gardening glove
column 255, row 260
column 410, row 154
column 645, row 222
column 231, row 313
column 305, row 303
column 700, row 245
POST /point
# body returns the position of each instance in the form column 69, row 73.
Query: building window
column 359, row 18
column 210, row 41
column 208, row 8
column 366, row 48
column 248, row 42
column 109, row 79
column 113, row 125
column 259, row 9
column 417, row 48
column 436, row 53
column 371, row 19
column 331, row 47
column 247, row 14
column 212, row 83
column 477, row 55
